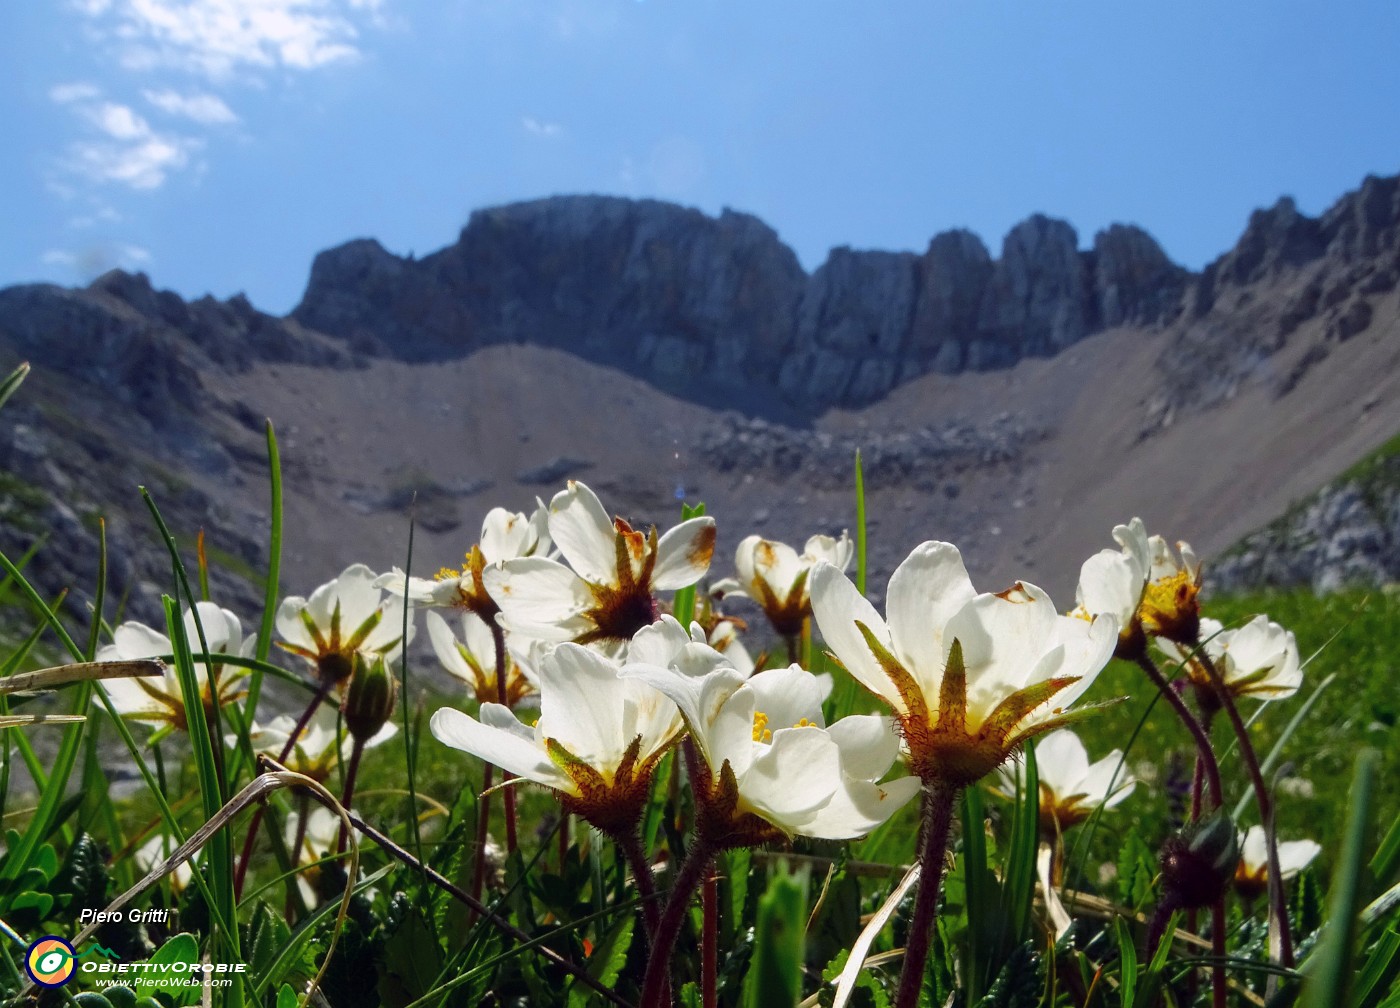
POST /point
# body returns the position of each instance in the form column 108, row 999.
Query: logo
column 50, row 961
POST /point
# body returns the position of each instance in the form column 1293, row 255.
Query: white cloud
column 541, row 129
column 125, row 150
column 89, row 263
column 207, row 109
column 118, row 121
column 102, row 215
column 77, row 91
column 218, row 37
column 142, row 163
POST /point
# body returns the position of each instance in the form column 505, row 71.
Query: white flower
column 159, row 701
column 310, row 844
column 323, row 744
column 340, row 618
column 773, row 769
column 970, row 677
column 1252, row 875
column 724, row 638
column 775, row 576
column 1169, row 606
column 608, row 595
column 596, row 742
column 504, row 536
column 1071, row 788
column 471, row 658
column 1260, row 659
column 1112, row 583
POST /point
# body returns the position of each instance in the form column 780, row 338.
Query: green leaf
column 1378, row 973
column 92, row 999
column 1136, row 869
column 779, row 939
column 268, row 934
column 1019, row 871
column 12, row 381
column 180, row 949
column 39, row 903
column 1127, row 962
column 1019, row 982
column 734, row 889
column 606, row 962
column 412, row 960
column 286, row 997
column 1328, row 972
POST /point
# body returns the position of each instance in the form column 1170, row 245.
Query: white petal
column 729, row 735
column 136, row 640
column 868, row 745
column 837, row 552
column 857, row 807
column 775, row 564
column 504, row 535
column 444, row 643
column 836, row 606
column 1110, row 582
column 1132, row 537
column 1108, row 773
column 1254, row 850
column 505, row 748
column 1295, row 855
column 581, row 705
column 744, row 564
column 699, row 698
column 584, row 533
column 790, row 780
column 1061, row 762
column 658, row 643
column 925, row 592
column 683, row 554
column 788, row 695
column 536, row 593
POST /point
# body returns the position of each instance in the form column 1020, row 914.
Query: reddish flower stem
column 1198, row 733
column 1278, row 908
column 351, row 772
column 483, row 817
column 936, row 825
column 709, row 939
column 693, row 870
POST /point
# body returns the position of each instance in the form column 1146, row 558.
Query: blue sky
column 219, row 144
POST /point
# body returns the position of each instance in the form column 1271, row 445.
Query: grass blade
column 1329, row 970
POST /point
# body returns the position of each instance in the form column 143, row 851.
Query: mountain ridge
column 517, row 358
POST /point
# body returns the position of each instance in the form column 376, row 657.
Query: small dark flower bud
column 1199, row 862
column 369, row 700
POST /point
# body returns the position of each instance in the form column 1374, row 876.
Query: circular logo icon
column 50, row 961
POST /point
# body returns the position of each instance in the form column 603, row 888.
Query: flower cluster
column 580, row 676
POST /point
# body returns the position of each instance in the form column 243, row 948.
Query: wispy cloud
column 216, row 38
column 76, row 91
column 539, row 128
column 89, row 263
column 120, row 145
column 206, row 109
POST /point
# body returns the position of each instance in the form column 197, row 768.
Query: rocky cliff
column 716, row 304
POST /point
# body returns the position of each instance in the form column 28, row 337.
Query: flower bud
column 1199, row 862
column 369, row 700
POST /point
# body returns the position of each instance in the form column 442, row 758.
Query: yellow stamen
column 804, row 723
column 760, row 727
